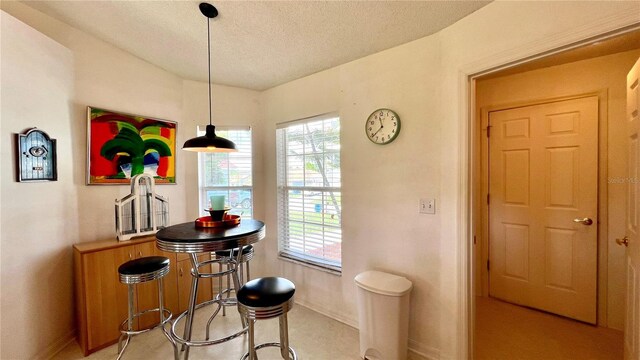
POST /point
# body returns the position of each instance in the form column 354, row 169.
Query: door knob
column 624, row 241
column 583, row 221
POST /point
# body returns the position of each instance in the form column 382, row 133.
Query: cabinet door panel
column 106, row 296
column 171, row 284
column 184, row 283
column 148, row 292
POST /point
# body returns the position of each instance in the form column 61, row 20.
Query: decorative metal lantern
column 143, row 211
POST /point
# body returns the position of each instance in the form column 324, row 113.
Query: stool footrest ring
column 179, row 340
column 167, row 319
column 230, row 301
column 292, row 352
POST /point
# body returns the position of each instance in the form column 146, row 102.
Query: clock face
column 382, row 126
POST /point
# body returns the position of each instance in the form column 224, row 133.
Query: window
column 309, row 191
column 228, row 174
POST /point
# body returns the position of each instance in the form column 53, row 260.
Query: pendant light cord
column 209, row 66
column 209, row 142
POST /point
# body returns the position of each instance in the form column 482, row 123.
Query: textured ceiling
column 257, row 44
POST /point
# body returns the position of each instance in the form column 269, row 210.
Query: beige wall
column 107, row 77
column 37, row 280
column 381, row 185
column 76, row 70
column 604, row 76
column 425, row 83
column 39, row 220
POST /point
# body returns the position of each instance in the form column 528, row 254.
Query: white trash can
column 383, row 314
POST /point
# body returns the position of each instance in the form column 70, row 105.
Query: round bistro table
column 187, row 238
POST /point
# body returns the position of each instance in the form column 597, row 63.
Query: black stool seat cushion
column 266, row 292
column 143, row 265
column 225, row 253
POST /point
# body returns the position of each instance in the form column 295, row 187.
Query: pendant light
column 209, row 142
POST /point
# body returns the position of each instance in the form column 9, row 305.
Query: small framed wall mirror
column 36, row 156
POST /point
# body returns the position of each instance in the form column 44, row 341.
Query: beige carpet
column 506, row 331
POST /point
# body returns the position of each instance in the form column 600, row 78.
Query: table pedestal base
column 185, row 340
column 186, row 344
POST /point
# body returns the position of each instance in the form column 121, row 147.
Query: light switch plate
column 427, row 206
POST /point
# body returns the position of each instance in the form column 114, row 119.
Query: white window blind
column 229, row 174
column 309, row 191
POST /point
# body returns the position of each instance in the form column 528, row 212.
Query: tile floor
column 503, row 332
column 312, row 335
column 506, row 331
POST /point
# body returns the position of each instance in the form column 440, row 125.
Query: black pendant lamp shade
column 209, row 142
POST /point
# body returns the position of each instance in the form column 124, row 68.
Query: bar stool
column 227, row 256
column 267, row 298
column 140, row 271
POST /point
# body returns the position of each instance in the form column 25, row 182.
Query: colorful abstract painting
column 121, row 146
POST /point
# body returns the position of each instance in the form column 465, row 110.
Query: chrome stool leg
column 139, row 271
column 164, row 319
column 192, row 305
column 241, row 273
column 256, row 302
column 237, row 284
column 284, row 336
column 220, row 293
column 219, row 298
column 252, row 344
column 228, row 290
column 121, row 347
column 233, row 259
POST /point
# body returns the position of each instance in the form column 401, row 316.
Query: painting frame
column 121, row 145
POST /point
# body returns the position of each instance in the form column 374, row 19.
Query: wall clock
column 382, row 126
column 36, row 156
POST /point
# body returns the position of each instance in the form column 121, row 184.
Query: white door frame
column 469, row 142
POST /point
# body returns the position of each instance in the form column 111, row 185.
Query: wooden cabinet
column 101, row 300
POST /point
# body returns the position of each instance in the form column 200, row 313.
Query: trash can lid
column 383, row 283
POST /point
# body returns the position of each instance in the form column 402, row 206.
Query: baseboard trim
column 57, row 346
column 328, row 313
column 417, row 351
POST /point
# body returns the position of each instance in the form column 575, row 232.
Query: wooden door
column 106, row 297
column 632, row 316
column 543, row 174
